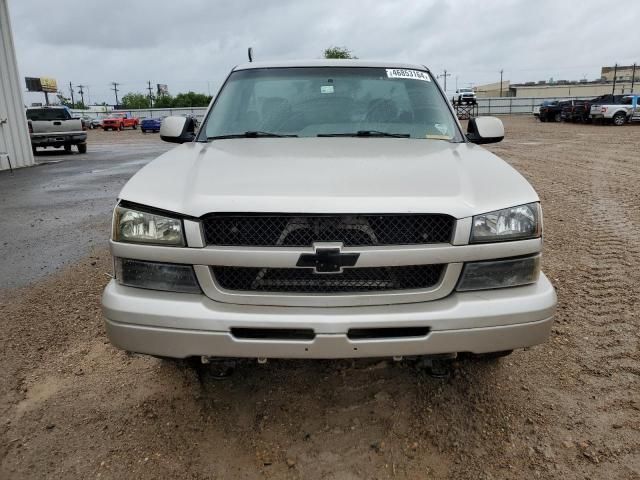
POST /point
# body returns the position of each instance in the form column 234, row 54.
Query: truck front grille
column 271, row 230
column 351, row 280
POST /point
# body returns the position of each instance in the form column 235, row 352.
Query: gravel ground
column 72, row 407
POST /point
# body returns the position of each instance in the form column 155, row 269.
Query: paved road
column 54, row 213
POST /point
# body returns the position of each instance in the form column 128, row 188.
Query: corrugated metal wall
column 14, row 133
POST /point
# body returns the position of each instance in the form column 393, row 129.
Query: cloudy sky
column 192, row 44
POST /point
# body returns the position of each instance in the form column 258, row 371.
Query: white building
column 15, row 146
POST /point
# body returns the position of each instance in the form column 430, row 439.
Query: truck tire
column 619, row 119
column 120, row 127
column 542, row 119
column 82, row 148
column 135, row 126
column 557, row 117
column 143, row 130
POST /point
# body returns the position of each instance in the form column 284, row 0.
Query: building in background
column 15, row 145
column 624, row 83
column 493, row 89
column 622, row 73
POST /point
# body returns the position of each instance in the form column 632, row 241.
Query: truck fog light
column 500, row 273
column 170, row 277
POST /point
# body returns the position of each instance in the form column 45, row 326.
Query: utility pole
column 81, row 92
column 150, row 94
column 73, row 103
column 115, row 89
column 615, row 74
column 445, row 75
column 633, row 77
column 501, row 71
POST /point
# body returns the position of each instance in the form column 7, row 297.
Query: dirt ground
column 73, row 407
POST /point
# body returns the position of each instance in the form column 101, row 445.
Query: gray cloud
column 192, row 44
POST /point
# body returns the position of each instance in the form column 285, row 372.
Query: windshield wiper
column 366, row 133
column 249, row 134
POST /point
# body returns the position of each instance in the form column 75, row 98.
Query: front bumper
column 184, row 325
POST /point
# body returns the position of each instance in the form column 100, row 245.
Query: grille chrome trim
column 288, row 257
column 213, row 290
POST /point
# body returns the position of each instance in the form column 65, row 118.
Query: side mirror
column 177, row 129
column 483, row 130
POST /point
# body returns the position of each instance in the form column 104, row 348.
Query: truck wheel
column 67, row 148
column 120, row 127
column 135, row 127
column 619, row 119
column 542, row 119
column 82, row 148
column 143, row 130
column 557, row 117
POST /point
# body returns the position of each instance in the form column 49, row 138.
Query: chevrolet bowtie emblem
column 327, row 260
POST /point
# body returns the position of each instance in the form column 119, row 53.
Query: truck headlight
column 511, row 272
column 514, row 223
column 135, row 226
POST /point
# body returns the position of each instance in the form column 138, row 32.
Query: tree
column 135, row 100
column 64, row 100
column 191, row 99
column 163, row 101
column 338, row 52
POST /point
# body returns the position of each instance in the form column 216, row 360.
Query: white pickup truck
column 628, row 110
column 55, row 127
column 328, row 209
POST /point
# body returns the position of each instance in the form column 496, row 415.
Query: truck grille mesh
column 351, row 280
column 302, row 231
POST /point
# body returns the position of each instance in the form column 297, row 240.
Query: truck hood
column 328, row 175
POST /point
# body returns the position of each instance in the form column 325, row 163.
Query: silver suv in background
column 54, row 127
column 328, row 209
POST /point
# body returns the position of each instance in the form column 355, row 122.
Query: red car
column 120, row 121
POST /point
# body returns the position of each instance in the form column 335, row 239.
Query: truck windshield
column 330, row 101
column 37, row 114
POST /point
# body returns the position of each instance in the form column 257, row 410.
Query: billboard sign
column 162, row 89
column 49, row 84
column 41, row 84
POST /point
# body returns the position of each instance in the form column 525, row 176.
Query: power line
column 115, row 89
column 501, row 71
column 81, row 92
column 445, row 75
column 150, row 94
column 73, row 103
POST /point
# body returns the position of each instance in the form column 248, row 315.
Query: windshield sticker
column 412, row 74
column 441, row 128
column 326, row 89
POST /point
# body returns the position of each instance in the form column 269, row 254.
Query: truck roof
column 329, row 63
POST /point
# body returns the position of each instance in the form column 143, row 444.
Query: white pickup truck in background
column 628, row 110
column 55, row 127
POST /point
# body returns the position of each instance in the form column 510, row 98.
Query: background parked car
column 466, row 96
column 618, row 112
column 95, row 123
column 552, row 111
column 151, row 124
column 120, row 121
